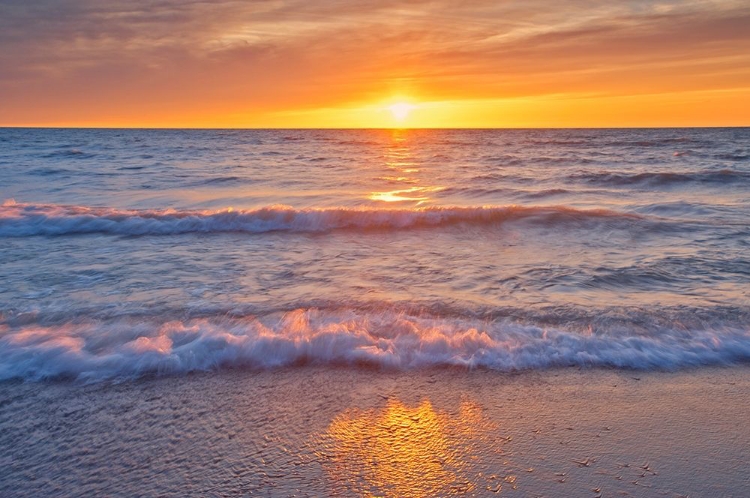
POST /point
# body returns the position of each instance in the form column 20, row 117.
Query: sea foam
column 123, row 349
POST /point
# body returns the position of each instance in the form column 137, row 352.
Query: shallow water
column 127, row 252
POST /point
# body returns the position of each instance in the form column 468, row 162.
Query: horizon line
column 394, row 128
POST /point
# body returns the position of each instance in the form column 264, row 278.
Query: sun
column 400, row 110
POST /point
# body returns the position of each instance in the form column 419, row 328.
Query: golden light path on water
column 399, row 157
column 410, row 451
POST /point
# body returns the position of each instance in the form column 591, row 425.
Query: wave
column 721, row 177
column 72, row 153
column 19, row 220
column 734, row 157
column 49, row 171
column 678, row 208
column 217, row 180
column 96, row 351
column 652, row 142
column 540, row 194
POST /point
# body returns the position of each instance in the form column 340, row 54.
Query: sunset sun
column 400, row 111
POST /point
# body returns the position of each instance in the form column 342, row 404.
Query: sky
column 345, row 63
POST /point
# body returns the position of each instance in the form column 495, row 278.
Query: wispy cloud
column 201, row 58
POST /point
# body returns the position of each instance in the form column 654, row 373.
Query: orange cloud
column 335, row 63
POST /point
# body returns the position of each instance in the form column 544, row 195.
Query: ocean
column 126, row 253
column 250, row 264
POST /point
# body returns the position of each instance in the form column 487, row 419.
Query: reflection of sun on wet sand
column 404, row 451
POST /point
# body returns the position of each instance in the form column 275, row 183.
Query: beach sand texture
column 324, row 432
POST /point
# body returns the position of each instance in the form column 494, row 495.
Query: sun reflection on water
column 403, row 165
column 406, row 451
column 413, row 194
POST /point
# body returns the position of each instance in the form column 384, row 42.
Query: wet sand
column 321, row 431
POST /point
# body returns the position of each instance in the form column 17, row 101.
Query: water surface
column 126, row 252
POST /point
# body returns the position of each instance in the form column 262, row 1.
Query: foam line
column 124, row 349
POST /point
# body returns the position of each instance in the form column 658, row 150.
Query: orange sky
column 341, row 63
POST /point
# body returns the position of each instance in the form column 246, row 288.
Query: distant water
column 135, row 252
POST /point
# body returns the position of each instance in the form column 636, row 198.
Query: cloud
column 179, row 58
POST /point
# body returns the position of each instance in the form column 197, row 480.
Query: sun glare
column 400, row 111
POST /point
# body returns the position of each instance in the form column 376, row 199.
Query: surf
column 95, row 350
column 21, row 220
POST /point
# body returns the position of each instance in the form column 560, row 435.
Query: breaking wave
column 123, row 349
column 19, row 220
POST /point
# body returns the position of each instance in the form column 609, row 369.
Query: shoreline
column 313, row 431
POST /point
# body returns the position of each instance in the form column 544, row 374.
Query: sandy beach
column 313, row 432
